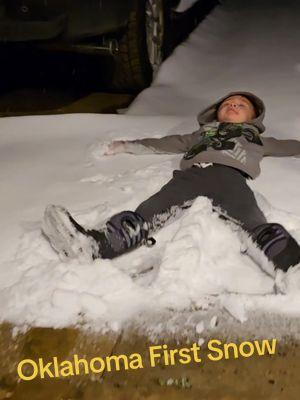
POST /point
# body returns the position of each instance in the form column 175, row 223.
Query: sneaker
column 278, row 245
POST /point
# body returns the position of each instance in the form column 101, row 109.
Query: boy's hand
column 115, row 147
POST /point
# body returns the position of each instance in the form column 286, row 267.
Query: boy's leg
column 226, row 187
column 128, row 229
column 123, row 231
column 232, row 198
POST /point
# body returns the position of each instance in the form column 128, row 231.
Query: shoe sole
column 63, row 235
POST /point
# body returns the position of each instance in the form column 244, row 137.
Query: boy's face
column 236, row 109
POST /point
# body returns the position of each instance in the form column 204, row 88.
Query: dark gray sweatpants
column 225, row 186
column 232, row 199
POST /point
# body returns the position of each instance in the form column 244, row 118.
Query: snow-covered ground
column 197, row 261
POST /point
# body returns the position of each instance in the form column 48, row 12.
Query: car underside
column 138, row 34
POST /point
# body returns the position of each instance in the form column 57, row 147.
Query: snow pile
column 197, row 254
column 197, row 260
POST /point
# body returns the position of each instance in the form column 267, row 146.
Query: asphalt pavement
column 34, row 81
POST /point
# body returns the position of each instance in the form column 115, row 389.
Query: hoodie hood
column 210, row 113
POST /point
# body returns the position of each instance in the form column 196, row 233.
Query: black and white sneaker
column 66, row 236
column 277, row 244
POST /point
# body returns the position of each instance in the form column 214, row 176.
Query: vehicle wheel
column 144, row 45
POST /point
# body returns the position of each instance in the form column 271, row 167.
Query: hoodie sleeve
column 281, row 148
column 165, row 145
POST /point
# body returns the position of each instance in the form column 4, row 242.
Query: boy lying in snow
column 218, row 159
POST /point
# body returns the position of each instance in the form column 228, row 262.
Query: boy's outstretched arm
column 165, row 145
column 281, row 148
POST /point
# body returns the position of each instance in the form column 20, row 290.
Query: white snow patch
column 197, row 260
column 235, row 307
column 213, row 322
column 200, row 327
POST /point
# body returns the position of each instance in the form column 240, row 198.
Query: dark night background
column 39, row 80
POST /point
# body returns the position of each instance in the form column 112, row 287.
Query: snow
column 197, row 260
column 184, row 5
column 200, row 327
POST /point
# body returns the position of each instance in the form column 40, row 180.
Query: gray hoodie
column 236, row 145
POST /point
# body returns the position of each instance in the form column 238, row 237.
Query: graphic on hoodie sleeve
column 223, row 137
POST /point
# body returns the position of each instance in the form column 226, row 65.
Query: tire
column 133, row 66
